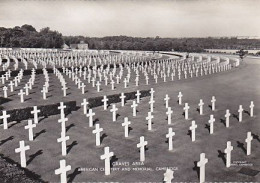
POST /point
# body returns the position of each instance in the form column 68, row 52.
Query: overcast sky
column 141, row 18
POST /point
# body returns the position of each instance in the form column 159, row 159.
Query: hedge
column 45, row 110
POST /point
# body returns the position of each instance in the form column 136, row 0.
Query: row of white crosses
column 143, row 143
column 45, row 88
column 27, row 87
column 13, row 83
column 62, row 81
column 212, row 119
column 201, row 104
column 62, row 171
column 112, row 73
column 203, row 160
column 201, row 164
column 31, row 124
column 107, row 155
column 6, row 76
column 22, row 149
column 5, row 117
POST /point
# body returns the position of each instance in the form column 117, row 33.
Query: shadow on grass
column 103, row 136
column 33, row 156
column 113, row 159
column 222, row 156
column 69, row 127
column 95, row 121
column 207, row 127
column 130, row 129
column 223, row 122
column 39, row 133
column 73, row 175
column 45, row 117
column 196, row 169
column 13, row 124
column 241, row 146
column 6, row 140
column 256, row 137
column 69, row 147
column 117, row 115
column 247, row 112
column 235, row 116
column 189, row 133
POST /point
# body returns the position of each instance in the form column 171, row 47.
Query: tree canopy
column 26, row 36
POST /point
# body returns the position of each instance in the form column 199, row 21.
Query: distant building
column 81, row 46
column 65, row 46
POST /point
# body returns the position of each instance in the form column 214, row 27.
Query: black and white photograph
column 129, row 91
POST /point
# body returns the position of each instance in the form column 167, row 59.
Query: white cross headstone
column 167, row 98
column 138, row 94
column 64, row 88
column 134, row 105
column 35, row 114
column 21, row 93
column 142, row 145
column 180, row 98
column 5, row 91
column 168, row 176
column 193, row 130
column 186, row 111
column 11, row 84
column 240, row 112
column 201, row 106
column 62, row 171
column 5, row 117
column 44, row 91
column 125, row 82
column 112, row 85
column 151, row 102
column 248, row 143
column 106, row 156
column 169, row 114
column 97, row 131
column 213, row 102
column 211, row 122
column 122, row 97
column 84, row 104
column 63, row 140
column 30, row 127
column 26, row 89
column 152, row 92
column 90, row 115
column 83, row 88
column 104, row 100
column 252, row 109
column 63, row 121
column 169, row 136
column 98, row 86
column 126, row 125
column 61, row 108
column 22, row 150
column 202, row 164
column 149, row 119
column 228, row 153
column 227, row 115
column 113, row 110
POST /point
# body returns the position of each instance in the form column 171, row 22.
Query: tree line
column 27, row 36
column 164, row 44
